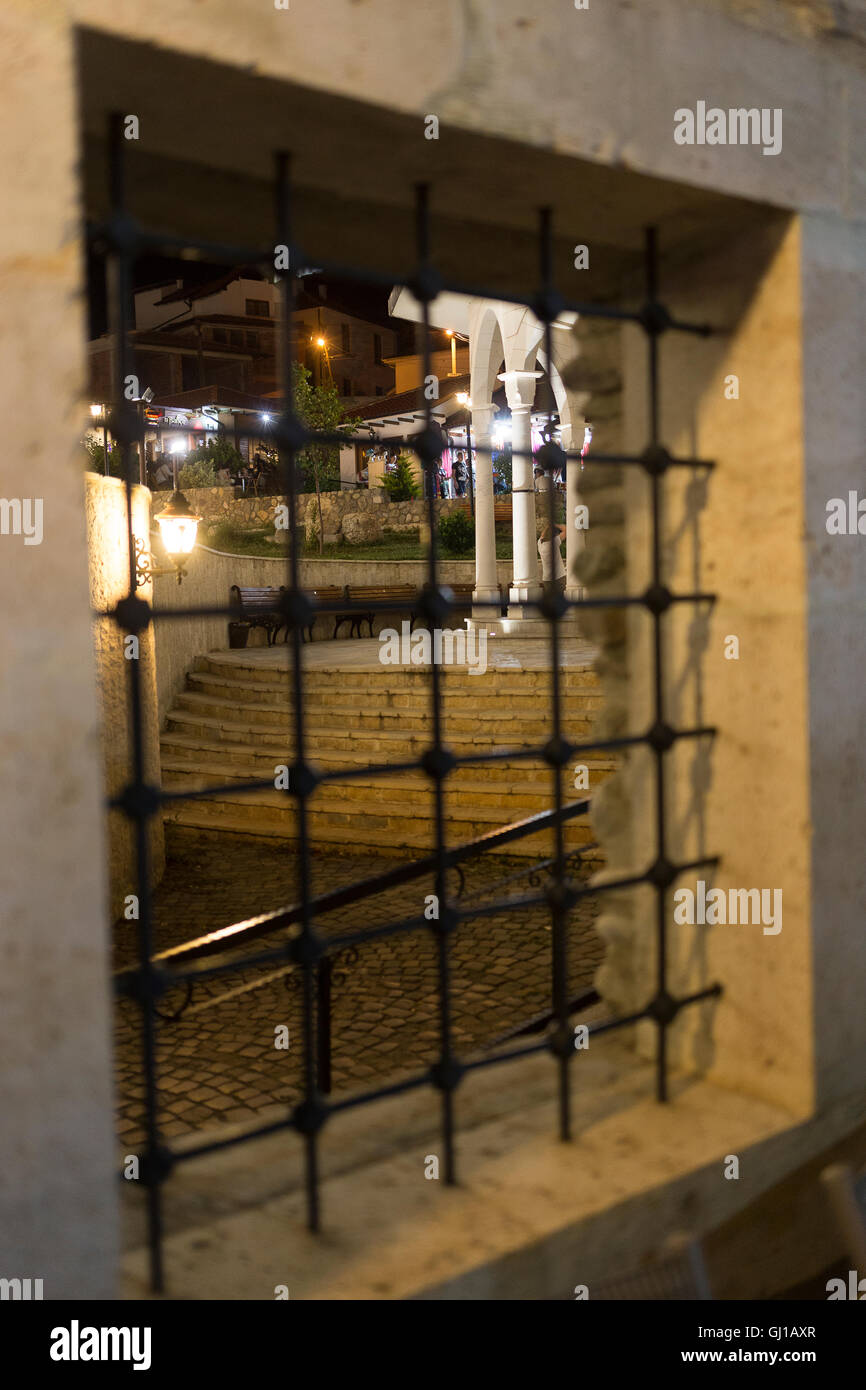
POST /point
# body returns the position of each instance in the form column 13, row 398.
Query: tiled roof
column 225, row 396
column 410, row 402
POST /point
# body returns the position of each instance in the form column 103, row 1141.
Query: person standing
column 540, row 479
column 553, row 573
column 460, row 474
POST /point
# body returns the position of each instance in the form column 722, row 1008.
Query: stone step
column 485, row 716
column 355, row 829
column 234, row 723
column 397, row 677
column 379, row 745
column 524, row 796
column 405, row 804
column 259, row 759
column 462, row 700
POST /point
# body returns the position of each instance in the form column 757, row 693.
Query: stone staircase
column 234, row 724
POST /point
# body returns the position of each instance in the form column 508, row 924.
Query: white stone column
column 575, row 537
column 486, row 581
column 525, row 584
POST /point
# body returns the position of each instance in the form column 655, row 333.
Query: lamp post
column 97, row 411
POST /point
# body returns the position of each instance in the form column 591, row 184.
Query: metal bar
column 287, row 454
column 554, row 611
column 651, row 264
column 149, row 238
column 138, row 807
column 445, row 1075
column 387, row 606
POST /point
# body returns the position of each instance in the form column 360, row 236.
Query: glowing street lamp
column 178, row 528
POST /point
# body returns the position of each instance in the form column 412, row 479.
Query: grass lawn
column 392, row 547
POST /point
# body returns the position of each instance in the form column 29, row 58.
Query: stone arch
column 486, row 351
column 566, row 406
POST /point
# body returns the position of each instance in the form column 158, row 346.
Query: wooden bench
column 259, row 608
column 402, row 596
column 333, row 593
column 501, row 507
column 462, row 594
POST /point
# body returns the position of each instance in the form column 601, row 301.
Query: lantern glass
column 178, row 526
column 178, row 533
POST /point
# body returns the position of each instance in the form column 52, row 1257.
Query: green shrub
column 399, row 481
column 198, row 471
column 95, row 458
column 456, row 533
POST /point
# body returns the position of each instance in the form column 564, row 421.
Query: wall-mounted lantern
column 178, row 527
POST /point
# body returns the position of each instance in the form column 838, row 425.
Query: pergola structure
column 186, row 418
column 510, row 336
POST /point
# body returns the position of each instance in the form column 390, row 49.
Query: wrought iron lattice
column 122, row 239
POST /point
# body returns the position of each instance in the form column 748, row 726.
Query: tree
column 321, row 409
column 399, row 481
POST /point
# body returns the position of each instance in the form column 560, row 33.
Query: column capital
column 519, row 388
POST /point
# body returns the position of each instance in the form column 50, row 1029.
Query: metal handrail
column 253, row 928
column 266, row 923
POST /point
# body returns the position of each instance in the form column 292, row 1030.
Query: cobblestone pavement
column 221, row 1064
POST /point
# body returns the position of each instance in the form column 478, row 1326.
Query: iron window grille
column 121, row 239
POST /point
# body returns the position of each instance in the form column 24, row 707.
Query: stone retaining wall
column 370, row 510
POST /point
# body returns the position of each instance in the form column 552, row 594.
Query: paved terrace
column 362, row 654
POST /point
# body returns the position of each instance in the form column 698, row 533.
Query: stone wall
column 600, row 568
column 109, row 581
column 376, row 512
column 746, row 794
